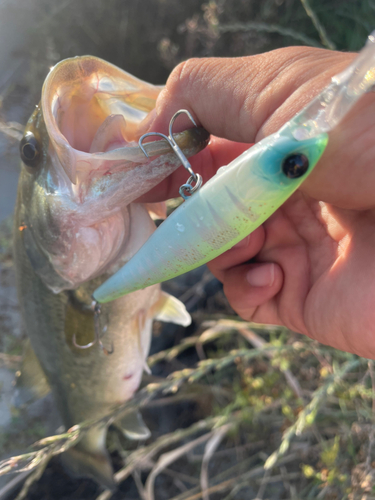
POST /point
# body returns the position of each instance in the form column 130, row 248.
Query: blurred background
column 302, row 389
column 148, row 38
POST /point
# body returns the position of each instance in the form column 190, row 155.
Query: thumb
column 245, row 98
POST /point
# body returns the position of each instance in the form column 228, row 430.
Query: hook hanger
column 194, row 182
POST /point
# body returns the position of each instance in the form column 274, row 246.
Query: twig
column 285, row 479
column 60, row 443
column 11, row 130
column 209, row 450
column 318, row 25
column 148, row 452
column 268, row 28
column 244, row 465
column 236, row 449
column 35, row 476
column 181, row 477
column 168, row 458
column 13, row 484
column 324, row 492
column 263, row 484
column 307, row 415
column 184, row 397
column 139, row 485
column 322, row 360
column 55, row 445
column 219, row 329
column 176, row 480
column 194, row 493
column 194, row 293
column 258, row 342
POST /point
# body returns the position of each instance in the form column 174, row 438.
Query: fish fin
column 171, row 310
column 133, row 427
column 157, row 210
column 31, row 382
column 141, row 228
column 89, row 458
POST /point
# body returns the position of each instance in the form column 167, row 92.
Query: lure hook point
column 186, row 189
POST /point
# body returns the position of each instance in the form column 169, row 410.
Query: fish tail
column 89, row 458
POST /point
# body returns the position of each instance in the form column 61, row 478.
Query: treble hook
column 96, row 309
column 187, row 188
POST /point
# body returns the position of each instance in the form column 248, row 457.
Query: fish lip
column 79, row 75
column 73, row 71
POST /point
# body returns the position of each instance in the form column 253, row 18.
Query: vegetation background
column 250, row 412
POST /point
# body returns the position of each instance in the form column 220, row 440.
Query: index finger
column 240, row 99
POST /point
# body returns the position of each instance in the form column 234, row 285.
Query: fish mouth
column 92, row 112
column 94, row 171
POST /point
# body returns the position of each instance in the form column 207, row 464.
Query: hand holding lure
column 245, row 193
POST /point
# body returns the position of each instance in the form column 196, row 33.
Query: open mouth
column 95, row 171
column 90, row 106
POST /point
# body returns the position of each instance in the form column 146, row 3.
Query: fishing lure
column 245, row 193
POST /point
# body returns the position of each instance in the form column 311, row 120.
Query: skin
column 311, row 266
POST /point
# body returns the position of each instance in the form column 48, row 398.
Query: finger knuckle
column 187, row 75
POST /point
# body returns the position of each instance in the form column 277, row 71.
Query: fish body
column 75, row 223
column 242, row 195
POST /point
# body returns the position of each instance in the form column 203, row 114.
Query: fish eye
column 30, row 150
column 295, row 165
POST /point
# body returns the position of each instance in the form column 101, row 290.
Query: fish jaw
column 92, row 111
column 78, row 96
column 237, row 200
column 75, row 199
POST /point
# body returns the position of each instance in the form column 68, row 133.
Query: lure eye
column 30, row 150
column 295, row 166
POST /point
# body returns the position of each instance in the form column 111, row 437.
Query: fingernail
column 243, row 243
column 262, row 275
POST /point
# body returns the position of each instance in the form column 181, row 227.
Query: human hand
column 312, row 266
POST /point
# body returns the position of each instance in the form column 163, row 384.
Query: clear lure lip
column 320, row 116
column 328, row 109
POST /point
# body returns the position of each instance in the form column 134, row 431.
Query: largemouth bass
column 75, row 223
